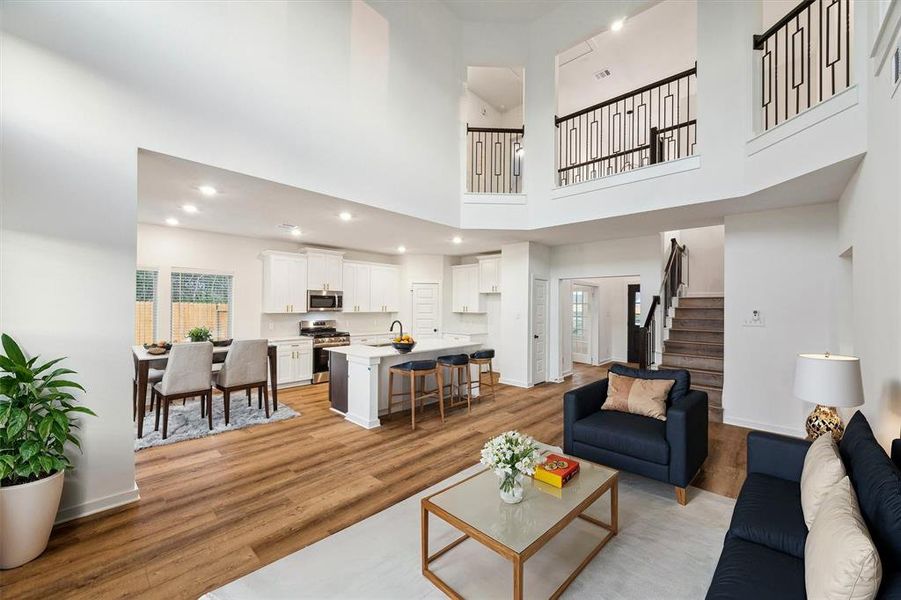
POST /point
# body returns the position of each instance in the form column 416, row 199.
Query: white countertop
column 423, row 346
column 291, row 338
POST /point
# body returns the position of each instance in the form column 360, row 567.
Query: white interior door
column 539, row 331
column 426, row 311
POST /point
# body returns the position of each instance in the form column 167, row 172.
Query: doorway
column 633, row 321
column 583, row 322
column 426, row 303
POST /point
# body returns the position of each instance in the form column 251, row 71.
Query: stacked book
column 556, row 470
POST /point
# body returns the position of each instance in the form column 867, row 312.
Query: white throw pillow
column 823, row 468
column 840, row 560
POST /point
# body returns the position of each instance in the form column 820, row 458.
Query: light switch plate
column 755, row 319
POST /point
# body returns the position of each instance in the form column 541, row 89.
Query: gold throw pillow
column 646, row 397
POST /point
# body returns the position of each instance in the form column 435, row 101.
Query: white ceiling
column 502, row 11
column 254, row 207
column 653, row 44
column 501, row 87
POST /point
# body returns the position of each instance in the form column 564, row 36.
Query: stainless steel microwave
column 324, row 301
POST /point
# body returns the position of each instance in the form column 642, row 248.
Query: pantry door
column 426, row 310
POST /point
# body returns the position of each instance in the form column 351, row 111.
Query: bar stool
column 416, row 370
column 458, row 365
column 480, row 358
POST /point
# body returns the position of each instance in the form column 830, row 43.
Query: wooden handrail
column 651, row 311
column 761, row 38
column 521, row 130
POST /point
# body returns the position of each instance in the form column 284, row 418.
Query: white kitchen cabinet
column 465, row 292
column 385, row 289
column 357, row 287
column 295, row 362
column 490, row 275
column 284, row 282
column 325, row 270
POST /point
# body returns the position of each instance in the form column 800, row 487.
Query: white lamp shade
column 829, row 379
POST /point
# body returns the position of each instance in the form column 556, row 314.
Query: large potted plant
column 37, row 416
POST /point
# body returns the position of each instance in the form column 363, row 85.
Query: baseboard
column 362, row 422
column 514, row 383
column 749, row 424
column 98, row 505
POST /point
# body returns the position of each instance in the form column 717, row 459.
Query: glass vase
column 511, row 487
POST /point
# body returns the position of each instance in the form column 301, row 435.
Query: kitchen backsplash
column 274, row 326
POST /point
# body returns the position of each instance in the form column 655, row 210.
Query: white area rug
column 663, row 550
column 185, row 422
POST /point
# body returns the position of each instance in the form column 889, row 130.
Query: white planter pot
column 27, row 513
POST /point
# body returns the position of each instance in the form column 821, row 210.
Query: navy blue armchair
column 672, row 450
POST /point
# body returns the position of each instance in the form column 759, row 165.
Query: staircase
column 693, row 340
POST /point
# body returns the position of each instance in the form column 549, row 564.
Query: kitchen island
column 358, row 379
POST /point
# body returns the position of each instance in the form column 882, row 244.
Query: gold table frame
column 518, row 558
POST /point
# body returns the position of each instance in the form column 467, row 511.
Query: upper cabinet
column 466, row 296
column 325, row 270
column 385, row 289
column 357, row 283
column 371, row 287
column 490, row 275
column 284, row 282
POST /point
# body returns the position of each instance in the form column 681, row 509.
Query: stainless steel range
column 325, row 334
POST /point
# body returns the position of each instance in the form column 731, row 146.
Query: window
column 638, row 309
column 145, row 306
column 201, row 300
column 578, row 313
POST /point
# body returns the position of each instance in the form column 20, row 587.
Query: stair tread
column 708, row 371
column 694, row 342
column 677, row 318
column 706, row 387
column 688, row 329
column 690, row 354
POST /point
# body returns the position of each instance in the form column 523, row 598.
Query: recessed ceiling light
column 172, row 221
column 189, row 208
column 207, row 190
column 457, row 239
column 617, row 25
column 401, row 249
column 346, row 216
column 296, row 232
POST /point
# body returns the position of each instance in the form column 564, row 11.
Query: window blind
column 201, row 300
column 146, row 311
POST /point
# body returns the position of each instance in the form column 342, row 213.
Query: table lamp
column 829, row 381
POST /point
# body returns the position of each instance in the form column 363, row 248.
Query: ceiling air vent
column 602, row 74
column 287, row 226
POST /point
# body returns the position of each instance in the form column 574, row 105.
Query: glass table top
column 517, row 526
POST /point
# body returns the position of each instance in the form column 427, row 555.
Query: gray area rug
column 663, row 550
column 185, row 422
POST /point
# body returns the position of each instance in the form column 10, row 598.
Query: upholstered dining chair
column 153, row 376
column 187, row 375
column 245, row 368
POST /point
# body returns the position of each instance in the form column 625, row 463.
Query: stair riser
column 701, row 324
column 680, row 335
column 701, row 303
column 689, row 362
column 714, row 397
column 700, row 377
column 701, row 349
column 714, row 415
column 699, row 313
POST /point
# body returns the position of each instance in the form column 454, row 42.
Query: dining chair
column 246, row 367
column 187, row 375
column 153, row 376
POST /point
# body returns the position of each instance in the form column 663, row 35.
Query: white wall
column 705, row 260
column 635, row 257
column 473, row 104
column 869, row 222
column 279, row 90
column 784, row 263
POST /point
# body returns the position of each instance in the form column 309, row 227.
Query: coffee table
column 517, row 532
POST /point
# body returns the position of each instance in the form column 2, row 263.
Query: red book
column 556, row 470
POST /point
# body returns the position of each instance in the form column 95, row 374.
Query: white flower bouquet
column 511, row 455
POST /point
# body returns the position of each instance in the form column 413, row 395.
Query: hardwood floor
column 216, row 508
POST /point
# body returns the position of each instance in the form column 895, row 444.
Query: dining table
column 144, row 360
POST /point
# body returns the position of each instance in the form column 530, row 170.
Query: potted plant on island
column 36, row 421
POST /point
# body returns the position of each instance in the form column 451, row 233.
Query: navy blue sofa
column 763, row 554
column 672, row 450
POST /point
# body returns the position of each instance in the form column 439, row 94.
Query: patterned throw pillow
column 645, row 397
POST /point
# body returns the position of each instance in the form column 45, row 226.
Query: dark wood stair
column 694, row 341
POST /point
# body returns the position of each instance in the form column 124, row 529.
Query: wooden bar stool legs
column 416, row 376
column 455, row 389
column 479, row 363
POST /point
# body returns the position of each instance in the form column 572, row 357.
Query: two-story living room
column 451, row 298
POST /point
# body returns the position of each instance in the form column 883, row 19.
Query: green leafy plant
column 200, row 334
column 37, row 416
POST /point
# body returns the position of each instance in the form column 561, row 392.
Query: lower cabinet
column 295, row 363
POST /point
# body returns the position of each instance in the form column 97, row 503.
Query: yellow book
column 556, row 470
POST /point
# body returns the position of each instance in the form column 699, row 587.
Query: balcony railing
column 495, row 160
column 652, row 124
column 805, row 58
